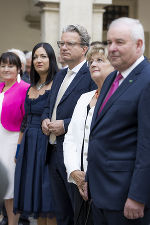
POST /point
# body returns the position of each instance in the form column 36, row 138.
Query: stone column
column 97, row 19
column 49, row 10
column 55, row 14
column 97, row 25
column 76, row 12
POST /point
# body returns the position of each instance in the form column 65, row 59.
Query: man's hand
column 133, row 209
column 78, row 176
column 56, row 127
column 45, row 127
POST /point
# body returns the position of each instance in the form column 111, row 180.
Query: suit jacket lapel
column 103, row 93
column 75, row 81
column 55, row 88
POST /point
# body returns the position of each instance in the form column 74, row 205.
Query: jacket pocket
column 120, row 165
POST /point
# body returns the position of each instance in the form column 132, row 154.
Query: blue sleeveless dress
column 32, row 192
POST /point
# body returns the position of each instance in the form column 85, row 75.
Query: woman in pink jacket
column 12, row 97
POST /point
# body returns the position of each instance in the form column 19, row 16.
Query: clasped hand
column 55, row 127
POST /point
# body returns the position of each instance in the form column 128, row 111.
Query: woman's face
column 8, row 72
column 41, row 61
column 99, row 67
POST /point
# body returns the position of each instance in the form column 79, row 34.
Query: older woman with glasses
column 75, row 145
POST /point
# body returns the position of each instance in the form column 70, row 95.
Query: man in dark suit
column 67, row 87
column 119, row 143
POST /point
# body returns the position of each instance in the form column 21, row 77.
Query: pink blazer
column 13, row 106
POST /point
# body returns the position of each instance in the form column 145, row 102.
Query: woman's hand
column 45, row 126
column 79, row 178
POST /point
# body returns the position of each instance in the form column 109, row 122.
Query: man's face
column 72, row 51
column 123, row 51
column 28, row 66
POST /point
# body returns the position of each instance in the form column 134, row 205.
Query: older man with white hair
column 119, row 143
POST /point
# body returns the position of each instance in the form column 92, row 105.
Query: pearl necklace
column 39, row 86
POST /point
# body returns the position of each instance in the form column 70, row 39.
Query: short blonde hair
column 97, row 49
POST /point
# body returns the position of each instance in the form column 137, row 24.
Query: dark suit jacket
column 119, row 142
column 81, row 83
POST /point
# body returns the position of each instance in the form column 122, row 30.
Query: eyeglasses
column 68, row 44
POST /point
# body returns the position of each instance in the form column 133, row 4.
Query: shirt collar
column 78, row 67
column 137, row 62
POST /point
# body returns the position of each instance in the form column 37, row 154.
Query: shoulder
column 86, row 97
column 85, row 68
column 146, row 66
column 143, row 72
column 23, row 85
column 21, row 88
column 61, row 72
column 88, row 94
column 142, row 67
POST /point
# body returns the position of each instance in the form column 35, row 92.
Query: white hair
column 20, row 54
column 137, row 30
column 28, row 55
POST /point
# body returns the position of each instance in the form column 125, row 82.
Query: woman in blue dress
column 32, row 194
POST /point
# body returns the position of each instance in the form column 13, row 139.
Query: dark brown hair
column 12, row 59
column 53, row 68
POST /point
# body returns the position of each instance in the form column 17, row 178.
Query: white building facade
column 27, row 22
